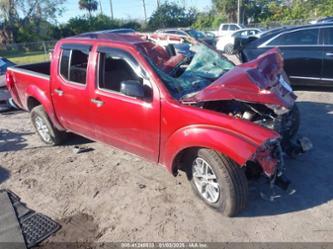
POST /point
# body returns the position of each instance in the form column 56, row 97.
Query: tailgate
column 21, row 83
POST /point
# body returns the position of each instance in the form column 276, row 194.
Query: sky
column 127, row 9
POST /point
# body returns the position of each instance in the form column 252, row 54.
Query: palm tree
column 89, row 5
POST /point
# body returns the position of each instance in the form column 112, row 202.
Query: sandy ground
column 109, row 195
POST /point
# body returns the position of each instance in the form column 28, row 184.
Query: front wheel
column 218, row 181
column 45, row 129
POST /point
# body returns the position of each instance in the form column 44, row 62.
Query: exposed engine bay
column 285, row 123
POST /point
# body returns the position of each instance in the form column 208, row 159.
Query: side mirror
column 132, row 88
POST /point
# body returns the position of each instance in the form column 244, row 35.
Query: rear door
column 302, row 54
column 69, row 89
column 125, row 122
column 327, row 72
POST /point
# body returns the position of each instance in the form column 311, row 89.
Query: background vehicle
column 200, row 36
column 328, row 19
column 129, row 92
column 228, row 28
column 307, row 52
column 4, row 94
column 226, row 43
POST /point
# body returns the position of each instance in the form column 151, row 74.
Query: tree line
column 35, row 20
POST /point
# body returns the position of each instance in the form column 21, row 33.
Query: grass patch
column 26, row 57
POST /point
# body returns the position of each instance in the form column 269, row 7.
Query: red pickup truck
column 198, row 113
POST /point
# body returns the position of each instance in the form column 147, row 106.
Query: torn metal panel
column 260, row 81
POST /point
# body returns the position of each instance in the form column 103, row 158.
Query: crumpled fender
column 237, row 147
column 254, row 82
column 38, row 94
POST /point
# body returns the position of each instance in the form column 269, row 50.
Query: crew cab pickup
column 200, row 114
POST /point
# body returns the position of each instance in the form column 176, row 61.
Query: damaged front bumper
column 270, row 158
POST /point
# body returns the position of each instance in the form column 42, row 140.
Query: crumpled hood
column 259, row 81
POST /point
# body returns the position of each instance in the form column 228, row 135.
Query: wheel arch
column 188, row 139
column 36, row 97
column 32, row 102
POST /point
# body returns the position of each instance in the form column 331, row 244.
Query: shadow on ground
column 4, row 174
column 74, row 139
column 12, row 141
column 311, row 174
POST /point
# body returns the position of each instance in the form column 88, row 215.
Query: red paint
column 158, row 129
column 255, row 81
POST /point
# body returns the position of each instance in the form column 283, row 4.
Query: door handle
column 98, row 102
column 59, row 92
column 329, row 54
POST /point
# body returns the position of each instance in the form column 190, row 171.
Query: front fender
column 237, row 147
column 40, row 95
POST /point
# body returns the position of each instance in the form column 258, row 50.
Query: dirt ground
column 108, row 195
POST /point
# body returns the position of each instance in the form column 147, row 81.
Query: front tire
column 292, row 119
column 45, row 129
column 218, row 181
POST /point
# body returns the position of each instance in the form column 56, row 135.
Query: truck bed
column 38, row 69
column 26, row 77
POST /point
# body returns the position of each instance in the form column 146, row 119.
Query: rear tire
column 218, row 181
column 44, row 128
column 229, row 49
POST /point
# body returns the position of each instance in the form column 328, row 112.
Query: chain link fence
column 27, row 52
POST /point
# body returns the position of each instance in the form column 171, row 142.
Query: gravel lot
column 109, row 195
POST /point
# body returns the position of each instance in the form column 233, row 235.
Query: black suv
column 307, row 52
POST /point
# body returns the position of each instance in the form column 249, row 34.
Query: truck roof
column 126, row 38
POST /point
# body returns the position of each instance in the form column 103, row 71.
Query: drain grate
column 37, row 227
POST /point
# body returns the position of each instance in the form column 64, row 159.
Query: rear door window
column 225, row 27
column 233, row 27
column 301, row 37
column 328, row 36
column 74, row 64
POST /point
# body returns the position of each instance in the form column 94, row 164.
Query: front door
column 125, row 122
column 69, row 89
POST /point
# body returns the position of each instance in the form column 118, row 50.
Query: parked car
column 307, row 52
column 205, row 116
column 328, row 19
column 200, row 36
column 228, row 28
column 226, row 43
column 4, row 94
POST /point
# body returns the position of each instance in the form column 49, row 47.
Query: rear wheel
column 218, row 181
column 45, row 129
column 229, row 49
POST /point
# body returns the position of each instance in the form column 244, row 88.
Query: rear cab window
column 74, row 63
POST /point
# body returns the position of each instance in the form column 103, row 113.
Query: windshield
column 191, row 75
